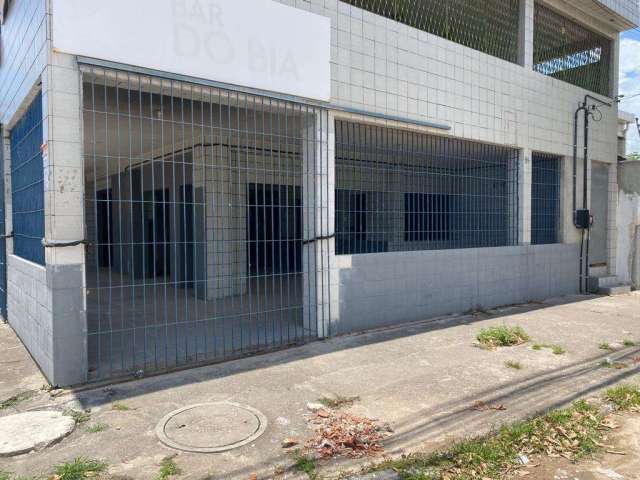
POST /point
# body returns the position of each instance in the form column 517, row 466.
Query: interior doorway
column 274, row 226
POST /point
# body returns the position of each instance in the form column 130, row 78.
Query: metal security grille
column 398, row 191
column 566, row 50
column 490, row 26
column 545, row 198
column 3, row 241
column 27, row 185
column 205, row 213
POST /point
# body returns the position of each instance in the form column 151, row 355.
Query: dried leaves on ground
column 344, row 434
column 481, row 406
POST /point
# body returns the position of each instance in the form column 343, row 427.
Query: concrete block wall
column 381, row 290
column 29, row 306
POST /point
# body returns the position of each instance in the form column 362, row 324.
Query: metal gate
column 3, row 241
column 205, row 214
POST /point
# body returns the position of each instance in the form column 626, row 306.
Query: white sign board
column 253, row 43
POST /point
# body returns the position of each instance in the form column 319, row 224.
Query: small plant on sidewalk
column 555, row 349
column 16, row 399
column 306, row 465
column 605, row 346
column 502, row 336
column 97, row 428
column 80, row 416
column 338, row 401
column 608, row 363
column 624, row 397
column 168, row 468
column 513, row 364
column 79, row 469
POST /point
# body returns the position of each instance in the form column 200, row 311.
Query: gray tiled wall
column 384, row 289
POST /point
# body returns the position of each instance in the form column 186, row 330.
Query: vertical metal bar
column 230, row 219
column 207, row 181
column 110, row 284
column 238, row 312
column 95, row 226
column 154, row 254
column 133, row 318
column 254, row 302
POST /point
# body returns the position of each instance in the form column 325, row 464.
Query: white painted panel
column 254, row 43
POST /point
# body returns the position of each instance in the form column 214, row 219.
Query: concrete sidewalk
column 420, row 378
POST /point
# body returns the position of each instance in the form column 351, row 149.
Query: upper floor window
column 490, row 26
column 568, row 51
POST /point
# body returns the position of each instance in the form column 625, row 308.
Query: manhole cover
column 211, row 427
column 23, row 432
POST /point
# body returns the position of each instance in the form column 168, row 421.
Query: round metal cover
column 211, row 427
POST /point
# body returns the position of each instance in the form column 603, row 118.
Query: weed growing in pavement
column 558, row 350
column 513, row 364
column 97, row 428
column 624, row 397
column 338, row 401
column 502, row 336
column 79, row 416
column 79, row 469
column 607, row 363
column 168, row 468
column 120, row 407
column 555, row 349
column 306, row 465
column 16, row 399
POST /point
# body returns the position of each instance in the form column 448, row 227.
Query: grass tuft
column 573, row 433
column 306, row 465
column 97, row 428
column 628, row 343
column 79, row 416
column 79, row 469
column 513, row 364
column 15, row 400
column 168, row 468
column 120, row 407
column 5, row 475
column 624, row 397
column 338, row 401
column 502, row 336
column 610, row 364
column 605, row 346
column 556, row 349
